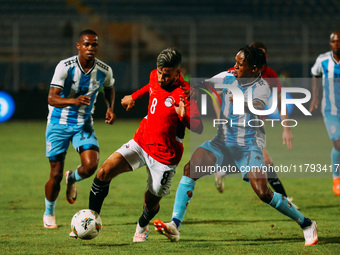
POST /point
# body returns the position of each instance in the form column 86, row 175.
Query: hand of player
column 314, row 105
column 82, row 100
column 190, row 93
column 110, row 117
column 127, row 102
column 287, row 138
column 181, row 107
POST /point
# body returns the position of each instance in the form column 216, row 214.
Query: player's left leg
column 89, row 163
column 201, row 159
column 86, row 144
column 159, row 182
column 150, row 209
column 273, row 179
column 259, row 183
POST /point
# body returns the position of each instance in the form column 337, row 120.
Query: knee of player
column 103, row 174
column 89, row 169
column 57, row 176
column 186, row 170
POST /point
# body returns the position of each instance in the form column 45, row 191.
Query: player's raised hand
column 181, row 107
column 110, row 117
column 83, row 100
column 127, row 102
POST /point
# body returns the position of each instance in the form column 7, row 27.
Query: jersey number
column 153, row 106
column 165, row 178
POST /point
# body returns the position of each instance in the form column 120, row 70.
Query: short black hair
column 169, row 57
column 259, row 45
column 87, row 32
column 254, row 56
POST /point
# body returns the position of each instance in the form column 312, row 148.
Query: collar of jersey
column 336, row 62
column 250, row 83
column 81, row 68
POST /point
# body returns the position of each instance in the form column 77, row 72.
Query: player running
column 239, row 146
column 327, row 66
column 157, row 143
column 73, row 93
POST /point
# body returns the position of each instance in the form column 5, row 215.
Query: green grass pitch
column 234, row 222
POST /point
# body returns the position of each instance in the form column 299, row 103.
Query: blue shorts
column 58, row 138
column 244, row 158
column 332, row 124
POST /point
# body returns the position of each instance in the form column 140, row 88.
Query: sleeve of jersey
column 192, row 120
column 59, row 76
column 140, row 93
column 317, row 68
column 109, row 80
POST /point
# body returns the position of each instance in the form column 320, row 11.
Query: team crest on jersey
column 169, row 101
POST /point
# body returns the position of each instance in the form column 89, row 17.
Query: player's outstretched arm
column 315, row 94
column 287, row 136
column 127, row 102
column 56, row 100
column 109, row 96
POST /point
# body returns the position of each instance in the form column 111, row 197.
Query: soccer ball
column 86, row 224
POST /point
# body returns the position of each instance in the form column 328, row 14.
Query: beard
column 168, row 85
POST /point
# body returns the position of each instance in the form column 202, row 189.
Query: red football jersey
column 161, row 132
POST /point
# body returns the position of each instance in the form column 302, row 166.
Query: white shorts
column 159, row 175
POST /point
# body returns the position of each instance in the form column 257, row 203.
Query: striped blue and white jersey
column 327, row 67
column 244, row 129
column 71, row 78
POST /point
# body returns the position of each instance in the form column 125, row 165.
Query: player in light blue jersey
column 73, row 93
column 237, row 144
column 327, row 66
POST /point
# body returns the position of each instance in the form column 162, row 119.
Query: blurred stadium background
column 36, row 35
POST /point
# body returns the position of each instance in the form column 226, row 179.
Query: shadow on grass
column 321, row 206
column 250, row 241
column 110, row 245
column 213, row 221
column 233, row 221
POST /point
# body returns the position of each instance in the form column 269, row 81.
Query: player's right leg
column 126, row 158
column 57, row 142
column 332, row 124
column 52, row 188
column 113, row 166
column 200, row 159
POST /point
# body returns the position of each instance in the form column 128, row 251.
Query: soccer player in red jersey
column 269, row 75
column 157, row 143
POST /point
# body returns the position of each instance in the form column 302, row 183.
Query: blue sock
column 49, row 207
column 186, row 185
column 287, row 209
column 335, row 155
column 74, row 177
